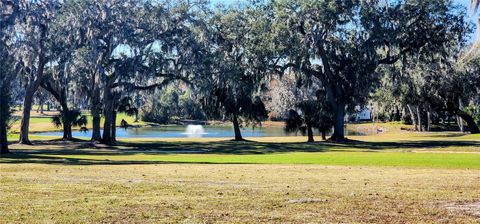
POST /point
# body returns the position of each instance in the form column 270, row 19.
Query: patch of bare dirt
column 306, row 201
column 472, row 208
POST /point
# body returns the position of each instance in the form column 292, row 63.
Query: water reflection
column 208, row 131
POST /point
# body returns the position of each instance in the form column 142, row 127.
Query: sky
column 474, row 18
column 465, row 3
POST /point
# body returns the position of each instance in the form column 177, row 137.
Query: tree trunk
column 96, row 134
column 107, row 125
column 96, row 108
column 429, row 120
column 310, row 133
column 472, row 126
column 59, row 92
column 107, row 137
column 4, row 114
column 324, row 135
column 27, row 107
column 236, row 128
column 397, row 116
column 40, row 105
column 67, row 123
column 413, row 117
column 459, row 119
column 3, row 136
column 114, row 127
column 373, row 116
column 69, row 134
column 32, row 87
column 96, row 117
column 460, row 124
column 419, row 116
column 67, row 131
column 136, row 117
column 436, row 118
column 108, row 112
column 339, row 127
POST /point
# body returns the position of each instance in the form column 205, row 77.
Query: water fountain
column 195, row 131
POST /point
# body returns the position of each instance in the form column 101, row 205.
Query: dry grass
column 195, row 193
column 389, row 178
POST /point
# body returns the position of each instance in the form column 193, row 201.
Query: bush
column 474, row 111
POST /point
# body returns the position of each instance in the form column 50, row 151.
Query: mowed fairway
column 409, row 178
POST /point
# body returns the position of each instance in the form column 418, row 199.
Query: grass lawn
column 393, row 178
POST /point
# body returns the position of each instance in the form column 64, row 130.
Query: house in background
column 364, row 114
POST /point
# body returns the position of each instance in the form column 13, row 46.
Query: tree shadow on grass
column 242, row 148
column 408, row 145
column 33, row 158
column 59, row 152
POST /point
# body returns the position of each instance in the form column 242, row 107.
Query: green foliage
column 126, row 106
column 228, row 56
column 440, row 83
column 5, row 105
column 171, row 104
column 343, row 44
column 239, row 50
column 474, row 111
column 294, row 122
column 7, row 69
column 72, row 117
column 315, row 113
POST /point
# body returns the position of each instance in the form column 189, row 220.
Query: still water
column 209, row 131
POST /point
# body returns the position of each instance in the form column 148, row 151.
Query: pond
column 209, row 131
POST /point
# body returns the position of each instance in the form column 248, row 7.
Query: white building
column 364, row 114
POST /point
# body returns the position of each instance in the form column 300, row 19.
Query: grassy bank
column 43, row 122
